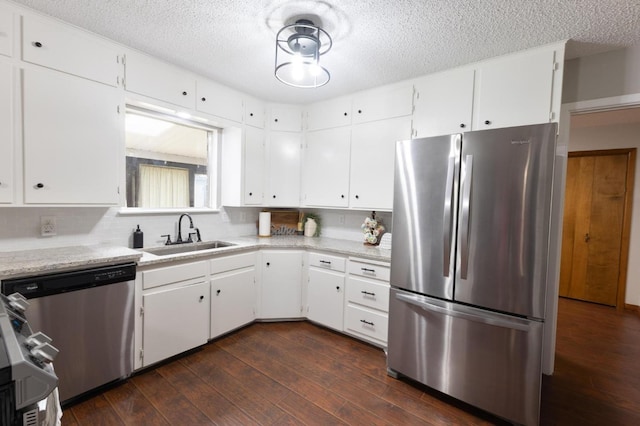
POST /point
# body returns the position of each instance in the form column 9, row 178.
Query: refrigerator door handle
column 484, row 318
column 466, row 210
column 447, row 224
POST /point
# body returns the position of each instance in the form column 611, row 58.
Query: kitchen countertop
column 52, row 260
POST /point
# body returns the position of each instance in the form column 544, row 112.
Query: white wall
column 612, row 137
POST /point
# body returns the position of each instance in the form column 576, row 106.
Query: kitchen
column 88, row 225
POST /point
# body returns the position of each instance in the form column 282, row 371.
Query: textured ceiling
column 376, row 42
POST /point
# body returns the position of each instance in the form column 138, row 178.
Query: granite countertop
column 52, row 260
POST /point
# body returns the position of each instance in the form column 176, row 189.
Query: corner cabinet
column 233, row 292
column 174, row 310
column 325, row 290
column 284, row 154
column 280, row 286
column 7, row 117
column 72, row 139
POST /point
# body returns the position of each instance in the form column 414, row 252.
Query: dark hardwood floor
column 298, row 373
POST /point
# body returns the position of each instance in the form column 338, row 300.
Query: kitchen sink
column 187, row 248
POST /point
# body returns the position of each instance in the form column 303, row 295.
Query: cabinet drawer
column 325, row 261
column 361, row 320
column 368, row 293
column 173, row 274
column 229, row 263
column 369, row 270
column 69, row 50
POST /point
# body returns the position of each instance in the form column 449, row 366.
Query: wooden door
column 596, row 226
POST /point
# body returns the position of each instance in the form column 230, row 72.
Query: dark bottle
column 137, row 238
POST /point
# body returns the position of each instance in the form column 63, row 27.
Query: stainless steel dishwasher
column 89, row 314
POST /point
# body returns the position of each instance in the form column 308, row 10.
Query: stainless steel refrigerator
column 469, row 259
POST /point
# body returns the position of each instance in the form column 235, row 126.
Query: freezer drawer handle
column 476, row 316
column 367, row 322
column 367, row 293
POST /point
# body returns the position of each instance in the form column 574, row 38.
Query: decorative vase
column 310, row 227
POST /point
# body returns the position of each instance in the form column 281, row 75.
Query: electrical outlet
column 341, row 219
column 48, row 226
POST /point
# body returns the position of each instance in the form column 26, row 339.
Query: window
column 170, row 162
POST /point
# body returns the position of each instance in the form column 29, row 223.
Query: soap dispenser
column 138, row 238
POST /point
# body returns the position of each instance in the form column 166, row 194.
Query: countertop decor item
column 372, row 229
column 311, row 225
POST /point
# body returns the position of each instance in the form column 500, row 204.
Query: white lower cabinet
column 325, row 290
column 175, row 321
column 280, row 286
column 367, row 301
column 233, row 293
column 173, row 306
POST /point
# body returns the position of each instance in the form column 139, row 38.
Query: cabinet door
column 281, row 285
column 443, row 103
column 514, row 91
column 379, row 105
column 254, row 162
column 64, row 48
column 372, row 162
column 326, row 168
column 72, row 139
column 233, row 300
column 328, row 114
column 288, row 119
column 325, row 298
column 175, row 321
column 254, row 113
column 218, row 100
column 284, row 169
column 150, row 77
column 6, row 132
column 6, row 32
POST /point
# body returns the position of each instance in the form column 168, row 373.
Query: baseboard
column 632, row 308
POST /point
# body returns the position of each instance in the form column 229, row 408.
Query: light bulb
column 297, row 67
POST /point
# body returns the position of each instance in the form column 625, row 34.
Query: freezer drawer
column 491, row 361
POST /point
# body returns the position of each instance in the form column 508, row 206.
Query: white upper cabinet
column 150, row 77
column 373, row 160
column 254, row 162
column 254, row 112
column 443, row 103
column 326, row 168
column 381, row 104
column 284, row 151
column 328, row 114
column 67, row 49
column 515, row 90
column 218, row 100
column 71, row 153
column 287, row 119
column 6, row 133
column 6, row 32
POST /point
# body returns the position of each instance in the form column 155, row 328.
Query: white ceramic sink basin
column 187, row 248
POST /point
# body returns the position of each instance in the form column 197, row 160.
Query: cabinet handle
column 276, row 120
column 326, row 262
column 342, row 196
column 357, row 197
column 274, row 196
column 359, row 111
column 37, row 44
column 217, row 292
column 201, row 298
column 367, row 322
column 462, row 126
column 338, row 287
column 268, row 263
column 184, row 93
column 367, row 293
column 39, row 186
column 203, row 99
column 250, row 114
column 487, row 122
column 251, row 194
column 371, row 271
column 345, row 114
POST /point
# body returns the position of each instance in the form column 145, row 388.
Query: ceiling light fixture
column 298, row 50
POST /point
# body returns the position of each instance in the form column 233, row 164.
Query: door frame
column 626, row 218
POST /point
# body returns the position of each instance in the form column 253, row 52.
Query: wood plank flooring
column 298, row 373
